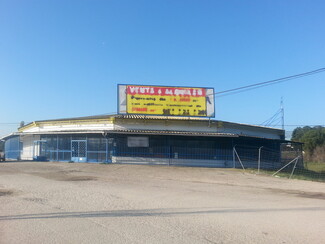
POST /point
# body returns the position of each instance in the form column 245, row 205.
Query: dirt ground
column 42, row 202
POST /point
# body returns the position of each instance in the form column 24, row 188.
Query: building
column 143, row 139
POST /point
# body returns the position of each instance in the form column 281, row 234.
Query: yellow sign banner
column 160, row 100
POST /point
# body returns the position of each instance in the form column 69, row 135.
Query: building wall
column 174, row 162
column 28, row 146
column 12, row 148
column 163, row 149
column 58, row 147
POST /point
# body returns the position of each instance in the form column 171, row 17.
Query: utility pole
column 282, row 113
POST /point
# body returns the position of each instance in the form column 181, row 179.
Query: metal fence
column 287, row 163
column 260, row 155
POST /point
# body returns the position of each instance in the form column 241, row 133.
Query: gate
column 78, row 150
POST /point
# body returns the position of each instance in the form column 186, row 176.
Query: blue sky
column 65, row 58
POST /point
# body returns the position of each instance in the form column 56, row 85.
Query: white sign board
column 138, row 141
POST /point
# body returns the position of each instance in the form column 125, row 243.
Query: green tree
column 298, row 133
column 313, row 138
column 314, row 142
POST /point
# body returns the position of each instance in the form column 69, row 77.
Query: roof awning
column 143, row 132
column 149, row 132
column 166, row 132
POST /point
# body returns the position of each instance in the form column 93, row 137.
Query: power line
column 270, row 120
column 9, row 123
column 270, row 82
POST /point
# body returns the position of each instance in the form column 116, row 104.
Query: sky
column 62, row 59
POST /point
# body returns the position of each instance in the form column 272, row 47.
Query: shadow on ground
column 149, row 213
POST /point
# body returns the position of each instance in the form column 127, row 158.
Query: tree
column 313, row 138
column 314, row 141
column 299, row 132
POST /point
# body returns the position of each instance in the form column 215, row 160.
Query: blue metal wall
column 12, row 148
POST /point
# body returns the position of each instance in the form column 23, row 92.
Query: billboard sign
column 166, row 100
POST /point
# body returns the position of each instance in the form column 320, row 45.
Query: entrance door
column 40, row 150
column 78, row 150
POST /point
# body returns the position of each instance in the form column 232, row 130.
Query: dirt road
column 95, row 203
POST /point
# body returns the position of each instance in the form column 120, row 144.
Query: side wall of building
column 12, row 148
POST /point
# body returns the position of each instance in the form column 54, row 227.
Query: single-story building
column 142, row 139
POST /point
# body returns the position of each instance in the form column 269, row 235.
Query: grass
column 314, row 173
column 316, row 167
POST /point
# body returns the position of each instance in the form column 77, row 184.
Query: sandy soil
column 95, row 203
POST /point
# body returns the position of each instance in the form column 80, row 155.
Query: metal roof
column 9, row 136
column 165, row 132
column 152, row 117
column 144, row 117
column 124, row 116
column 149, row 132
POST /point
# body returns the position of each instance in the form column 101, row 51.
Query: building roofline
column 9, row 136
column 150, row 132
column 112, row 117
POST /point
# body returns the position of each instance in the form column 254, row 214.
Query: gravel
column 43, row 202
